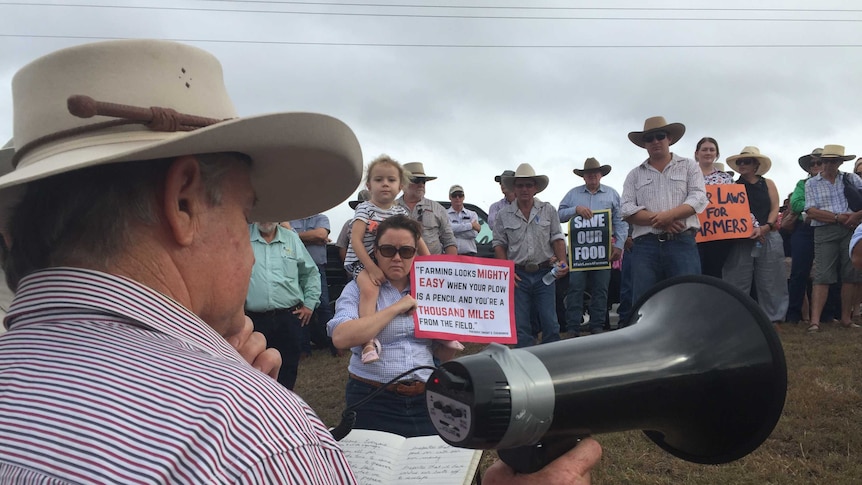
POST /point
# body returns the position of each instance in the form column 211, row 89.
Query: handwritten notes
column 464, row 298
column 379, row 458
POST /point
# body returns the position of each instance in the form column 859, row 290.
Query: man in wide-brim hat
column 661, row 199
column 436, row 230
column 833, row 221
column 127, row 213
column 528, row 232
column 581, row 202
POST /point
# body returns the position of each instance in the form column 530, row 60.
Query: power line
column 431, row 16
column 456, row 46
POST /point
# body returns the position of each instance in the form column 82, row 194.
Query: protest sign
column 464, row 298
column 727, row 216
column 590, row 242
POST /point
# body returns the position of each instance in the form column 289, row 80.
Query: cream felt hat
column 751, row 152
column 658, row 123
column 591, row 164
column 835, row 151
column 415, row 170
column 193, row 114
column 525, row 171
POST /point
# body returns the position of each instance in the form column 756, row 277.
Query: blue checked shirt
column 604, row 198
column 824, row 195
column 401, row 349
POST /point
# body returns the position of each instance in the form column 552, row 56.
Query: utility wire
column 457, row 46
column 431, row 16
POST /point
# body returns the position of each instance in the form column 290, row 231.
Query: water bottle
column 757, row 249
column 552, row 275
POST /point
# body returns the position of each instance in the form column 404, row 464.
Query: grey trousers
column 767, row 270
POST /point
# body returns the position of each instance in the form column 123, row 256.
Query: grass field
column 818, row 439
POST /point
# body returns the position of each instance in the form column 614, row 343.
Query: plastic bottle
column 552, row 275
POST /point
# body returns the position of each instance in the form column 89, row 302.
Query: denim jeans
column 655, row 261
column 402, row 415
column 533, row 295
column 626, row 288
column 597, row 282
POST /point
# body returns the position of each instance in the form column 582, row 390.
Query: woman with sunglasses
column 401, row 407
column 712, row 253
column 761, row 257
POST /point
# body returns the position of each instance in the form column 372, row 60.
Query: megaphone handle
column 532, row 458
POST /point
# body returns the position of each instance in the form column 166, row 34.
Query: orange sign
column 727, row 216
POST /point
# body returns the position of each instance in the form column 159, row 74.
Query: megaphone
column 701, row 371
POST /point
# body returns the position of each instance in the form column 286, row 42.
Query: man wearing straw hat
column 833, row 221
column 127, row 357
column 582, row 201
column 436, row 230
column 529, row 233
column 661, row 199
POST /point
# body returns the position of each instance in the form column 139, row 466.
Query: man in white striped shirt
column 127, row 356
column 661, row 199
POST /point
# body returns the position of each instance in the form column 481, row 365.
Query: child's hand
column 376, row 275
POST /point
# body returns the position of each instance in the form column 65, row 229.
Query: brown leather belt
column 668, row 236
column 533, row 267
column 402, row 388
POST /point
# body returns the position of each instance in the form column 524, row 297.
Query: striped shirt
column 822, row 194
column 368, row 212
column 103, row 380
column 401, row 349
column 680, row 183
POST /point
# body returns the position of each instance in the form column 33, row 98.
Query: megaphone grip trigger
column 532, row 458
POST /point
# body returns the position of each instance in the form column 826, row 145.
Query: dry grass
column 817, row 440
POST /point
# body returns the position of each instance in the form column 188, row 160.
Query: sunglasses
column 527, row 185
column 817, row 163
column 457, row 195
column 649, row 138
column 746, row 161
column 387, row 251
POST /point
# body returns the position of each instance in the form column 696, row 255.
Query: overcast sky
column 471, row 91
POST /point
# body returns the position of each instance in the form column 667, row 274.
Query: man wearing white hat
column 127, row 357
column 582, row 201
column 436, row 231
column 529, row 233
column 661, row 199
column 834, row 221
column 464, row 222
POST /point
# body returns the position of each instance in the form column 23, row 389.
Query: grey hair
column 84, row 217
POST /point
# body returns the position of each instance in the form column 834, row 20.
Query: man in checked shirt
column 661, row 199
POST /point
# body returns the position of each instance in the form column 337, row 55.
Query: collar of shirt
column 674, row 160
column 42, row 293
column 600, row 189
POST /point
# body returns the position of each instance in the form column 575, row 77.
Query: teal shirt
column 283, row 274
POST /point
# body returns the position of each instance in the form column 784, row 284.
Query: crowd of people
column 151, row 282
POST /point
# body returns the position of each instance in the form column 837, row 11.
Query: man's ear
column 184, row 198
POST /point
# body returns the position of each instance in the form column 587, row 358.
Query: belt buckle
column 664, row 237
column 531, row 267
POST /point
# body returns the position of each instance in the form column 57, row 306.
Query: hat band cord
column 155, row 118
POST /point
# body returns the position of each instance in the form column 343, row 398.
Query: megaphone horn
column 701, row 371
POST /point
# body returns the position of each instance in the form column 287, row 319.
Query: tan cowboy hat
column 525, row 171
column 415, row 171
column 506, row 173
column 361, row 197
column 188, row 83
column 751, row 152
column 658, row 123
column 805, row 160
column 835, row 151
column 591, row 164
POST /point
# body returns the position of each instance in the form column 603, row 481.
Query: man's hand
column 616, row 254
column 251, row 346
column 584, row 212
column 303, row 313
column 663, row 220
column 629, row 244
column 573, row 468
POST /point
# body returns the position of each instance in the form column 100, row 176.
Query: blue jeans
column 626, row 287
column 579, row 281
column 533, row 295
column 656, row 261
column 390, row 412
